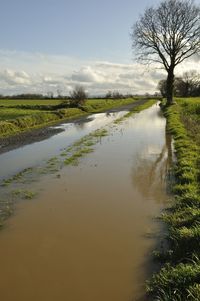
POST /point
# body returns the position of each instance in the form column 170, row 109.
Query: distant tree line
column 116, row 95
column 33, row 96
column 76, row 97
column 77, row 94
column 184, row 86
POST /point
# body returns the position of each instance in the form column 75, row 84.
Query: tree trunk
column 170, row 86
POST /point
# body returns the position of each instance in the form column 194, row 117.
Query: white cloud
column 109, row 65
column 11, row 77
column 87, row 74
column 22, row 72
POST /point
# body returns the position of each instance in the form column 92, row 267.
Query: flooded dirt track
column 30, row 155
column 90, row 232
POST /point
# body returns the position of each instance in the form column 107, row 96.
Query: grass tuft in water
column 82, row 147
column 20, row 177
column 73, row 159
column 24, row 194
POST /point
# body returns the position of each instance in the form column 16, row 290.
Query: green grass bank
column 179, row 277
column 22, row 115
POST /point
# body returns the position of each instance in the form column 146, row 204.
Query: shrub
column 78, row 96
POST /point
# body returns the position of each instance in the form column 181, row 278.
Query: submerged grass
column 15, row 187
column 20, row 177
column 73, row 159
column 6, row 209
column 179, row 278
column 23, row 194
column 82, row 147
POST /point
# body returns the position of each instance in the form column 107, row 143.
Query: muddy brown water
column 90, row 232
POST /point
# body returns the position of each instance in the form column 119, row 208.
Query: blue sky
column 82, row 28
column 50, row 44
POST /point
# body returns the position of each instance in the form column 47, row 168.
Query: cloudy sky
column 52, row 45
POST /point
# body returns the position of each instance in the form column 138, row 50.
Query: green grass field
column 31, row 102
column 190, row 116
column 13, row 113
column 96, row 105
column 91, row 103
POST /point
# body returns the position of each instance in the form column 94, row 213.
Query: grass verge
column 179, row 277
column 23, row 123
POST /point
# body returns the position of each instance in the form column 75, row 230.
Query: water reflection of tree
column 81, row 124
column 151, row 172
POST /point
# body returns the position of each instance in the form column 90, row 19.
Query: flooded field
column 89, row 233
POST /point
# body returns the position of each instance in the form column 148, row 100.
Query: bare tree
column 108, row 94
column 179, row 87
column 168, row 34
column 162, row 87
column 50, row 94
column 184, row 86
column 78, row 96
column 59, row 93
column 191, row 83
